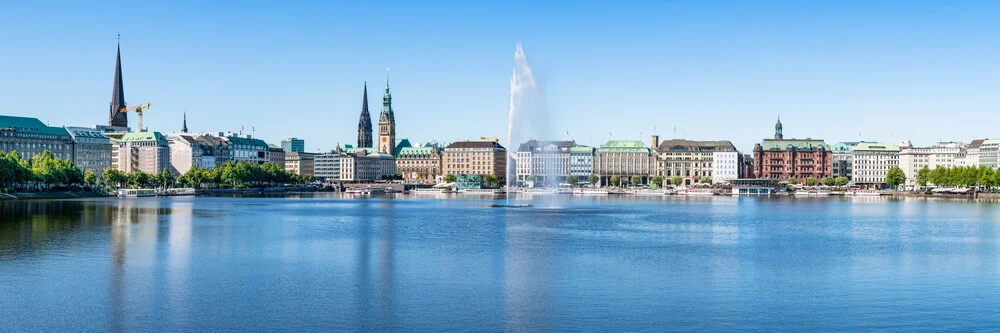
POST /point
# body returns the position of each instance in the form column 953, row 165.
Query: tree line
column 241, row 174
column 959, row 176
column 43, row 171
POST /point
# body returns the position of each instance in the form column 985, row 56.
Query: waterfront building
column 91, row 149
column 843, row 158
column 543, row 160
column 366, row 165
column 293, row 145
column 988, row 152
column 365, row 123
column 693, row 160
column 581, row 161
column 419, row 163
column 203, row 150
column 782, row 159
column 302, row 164
column 30, row 137
column 747, row 167
column 872, row 162
column 276, row 155
column 942, row 154
column 468, row 181
column 245, row 148
column 326, row 166
column 624, row 159
column 972, row 153
column 476, row 157
column 116, row 117
column 387, row 123
column 148, row 152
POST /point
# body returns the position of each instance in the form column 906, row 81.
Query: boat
column 590, row 191
column 511, row 206
column 863, row 193
column 649, row 192
column 179, row 191
column 812, row 193
column 136, row 192
column 696, row 191
column 480, row 191
column 428, row 191
column 365, row 190
column 540, row 191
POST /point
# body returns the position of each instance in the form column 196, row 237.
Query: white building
column 246, row 148
column 943, row 154
column 725, row 166
column 327, row 166
column 988, row 153
column 872, row 162
column 581, row 161
column 148, row 152
column 547, row 161
column 192, row 149
column 366, row 166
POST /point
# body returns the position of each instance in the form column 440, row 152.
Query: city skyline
column 844, row 72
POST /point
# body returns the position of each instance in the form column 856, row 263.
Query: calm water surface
column 408, row 264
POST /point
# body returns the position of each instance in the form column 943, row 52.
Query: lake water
column 328, row 263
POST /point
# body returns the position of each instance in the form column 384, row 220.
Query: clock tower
column 387, row 122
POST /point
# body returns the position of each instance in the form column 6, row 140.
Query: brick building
column 781, row 158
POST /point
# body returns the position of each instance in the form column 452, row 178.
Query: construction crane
column 138, row 111
column 491, row 138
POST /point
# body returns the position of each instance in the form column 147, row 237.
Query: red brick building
column 782, row 159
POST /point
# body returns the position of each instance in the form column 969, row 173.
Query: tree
column 705, row 180
column 89, row 177
column 594, row 179
column 635, row 180
column 842, row 181
column 811, row 181
column 491, row 179
column 895, row 177
column 450, row 178
column 829, row 181
column 676, row 180
column 165, row 178
column 113, row 177
column 615, row 181
column 986, row 177
column 923, row 175
column 657, row 180
column 792, row 181
column 572, row 179
column 532, row 178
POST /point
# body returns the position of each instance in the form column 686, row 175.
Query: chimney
column 656, row 141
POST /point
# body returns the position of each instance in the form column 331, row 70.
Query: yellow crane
column 138, row 111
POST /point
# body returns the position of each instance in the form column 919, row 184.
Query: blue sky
column 716, row 70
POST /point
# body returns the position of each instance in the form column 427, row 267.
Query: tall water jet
column 527, row 117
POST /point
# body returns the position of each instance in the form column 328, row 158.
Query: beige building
column 693, row 160
column 476, row 158
column 302, row 164
column 365, row 165
column 624, row 159
column 148, row 152
column 421, row 164
column 91, row 149
column 191, row 149
column 30, row 137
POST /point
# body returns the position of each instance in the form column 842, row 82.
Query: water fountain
column 527, row 117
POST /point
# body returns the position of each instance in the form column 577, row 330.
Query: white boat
column 696, row 191
column 590, row 191
column 180, row 191
column 428, row 191
column 365, row 190
column 863, row 193
column 480, row 191
column 649, row 192
column 136, row 192
column 540, row 191
column 812, row 193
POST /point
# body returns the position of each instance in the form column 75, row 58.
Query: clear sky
column 890, row 70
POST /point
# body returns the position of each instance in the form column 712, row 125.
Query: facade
column 244, row 148
column 419, row 163
column 365, row 166
column 293, row 145
column 302, row 164
column 148, row 152
column 746, row 167
column 783, row 159
column 116, row 117
column 202, row 150
column 693, row 160
column 843, row 159
column 912, row 159
column 276, row 155
column 972, row 153
column 988, row 153
column 581, row 161
column 91, row 149
column 326, row 166
column 387, row 124
column 872, row 162
column 624, row 159
column 547, row 161
column 476, row 158
column 365, row 123
column 30, row 137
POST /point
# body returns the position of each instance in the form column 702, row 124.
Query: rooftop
column 615, row 146
column 144, row 137
column 475, row 144
column 691, row 145
column 535, row 145
column 29, row 125
column 807, row 144
column 871, row 146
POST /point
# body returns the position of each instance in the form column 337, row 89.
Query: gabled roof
column 976, row 143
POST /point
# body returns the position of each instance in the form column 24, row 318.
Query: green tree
column 450, row 178
column 89, row 177
column 792, row 181
column 676, row 180
column 165, row 178
column 829, row 181
column 113, row 177
column 705, row 180
column 939, row 176
column 657, row 180
column 811, row 181
column 986, row 177
column 842, row 181
column 594, row 179
column 635, row 180
column 572, row 179
column 491, row 179
column 923, row 176
column 615, row 181
column 895, row 177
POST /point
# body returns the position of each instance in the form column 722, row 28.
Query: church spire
column 387, row 122
column 184, row 128
column 116, row 117
column 387, row 114
column 365, row 123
